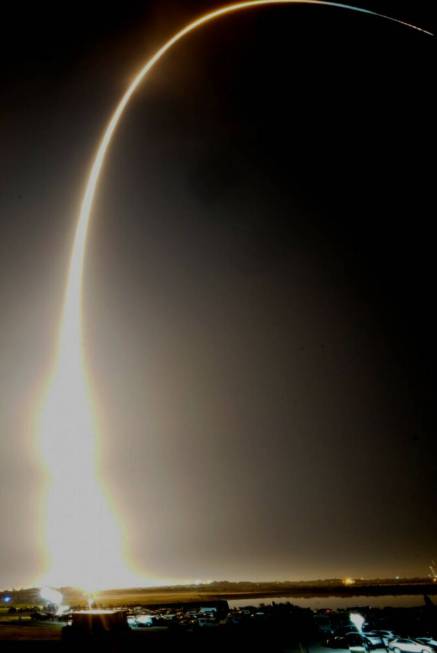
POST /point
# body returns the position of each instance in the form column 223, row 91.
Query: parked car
column 374, row 638
column 347, row 632
column 352, row 641
column 401, row 645
column 429, row 641
column 357, row 643
column 386, row 635
column 336, row 642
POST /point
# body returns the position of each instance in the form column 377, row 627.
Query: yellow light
column 83, row 539
column 348, row 581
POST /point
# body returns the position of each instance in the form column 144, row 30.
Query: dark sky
column 260, row 282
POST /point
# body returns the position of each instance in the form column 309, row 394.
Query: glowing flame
column 83, row 539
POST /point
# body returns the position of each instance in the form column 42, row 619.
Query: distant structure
column 96, row 623
column 432, row 569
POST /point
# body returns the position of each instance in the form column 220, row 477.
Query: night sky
column 259, row 289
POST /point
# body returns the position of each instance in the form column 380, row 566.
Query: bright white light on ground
column 358, row 620
column 145, row 619
column 51, row 596
column 55, row 598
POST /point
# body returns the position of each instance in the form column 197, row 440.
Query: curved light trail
column 82, row 537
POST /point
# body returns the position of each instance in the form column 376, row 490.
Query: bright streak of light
column 357, row 620
column 83, row 538
column 72, row 314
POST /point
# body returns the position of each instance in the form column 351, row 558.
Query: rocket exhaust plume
column 82, row 537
